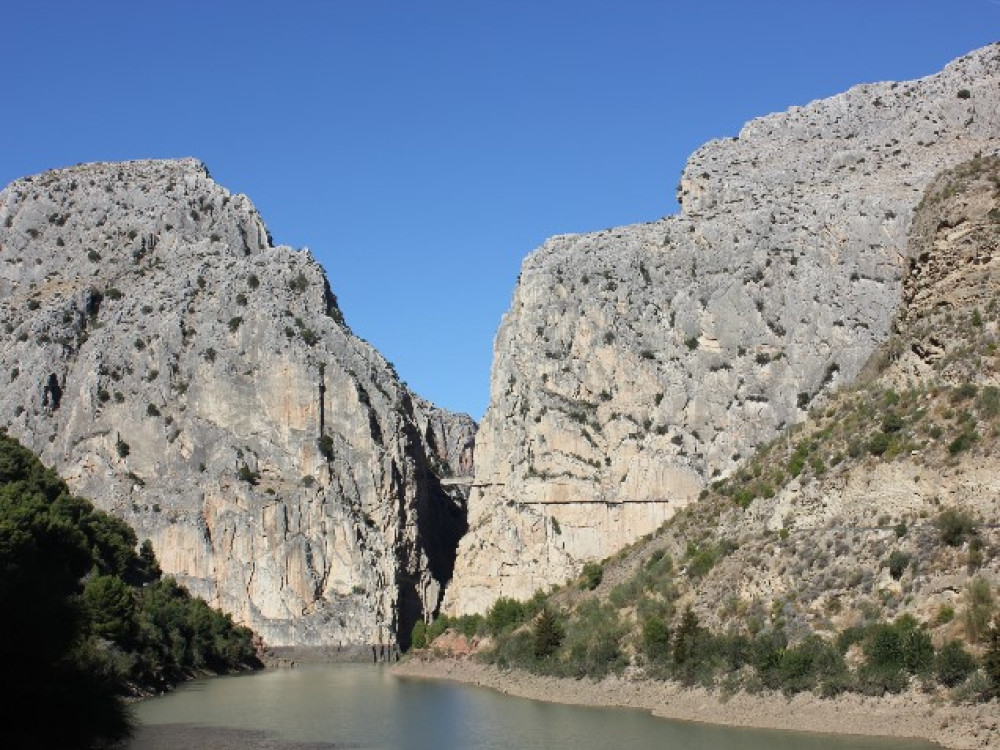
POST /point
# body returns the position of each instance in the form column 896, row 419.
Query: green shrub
column 469, row 625
column 246, row 474
column 897, row 563
column 978, row 608
column 111, row 605
column 878, row 444
column 879, row 680
column 702, row 559
column 814, row 664
column 515, row 650
column 953, row 664
column 548, row 633
column 505, row 615
column 686, row 651
column 626, row 592
column 418, row 637
column 437, row 627
column 892, row 422
column 945, row 614
column 955, row 526
column 592, row 646
column 883, row 646
column 743, row 497
column 918, row 650
column 656, row 640
column 963, row 442
column 325, row 445
column 592, row 574
column 964, row 392
column 309, row 336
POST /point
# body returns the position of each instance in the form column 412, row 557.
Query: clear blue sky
column 422, row 149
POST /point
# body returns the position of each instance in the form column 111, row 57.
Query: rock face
column 638, row 363
column 199, row 382
column 952, row 279
column 823, row 543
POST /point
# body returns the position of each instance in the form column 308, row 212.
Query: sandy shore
column 908, row 715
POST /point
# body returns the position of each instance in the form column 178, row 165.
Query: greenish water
column 364, row 706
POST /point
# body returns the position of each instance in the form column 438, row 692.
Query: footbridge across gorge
column 471, row 483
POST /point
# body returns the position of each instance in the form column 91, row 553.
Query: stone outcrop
column 192, row 378
column 821, row 546
column 952, row 278
column 638, row 363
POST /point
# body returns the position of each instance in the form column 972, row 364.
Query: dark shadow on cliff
column 441, row 519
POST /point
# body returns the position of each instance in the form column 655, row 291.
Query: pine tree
column 685, row 641
column 548, row 634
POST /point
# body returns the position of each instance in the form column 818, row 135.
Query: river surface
column 365, row 706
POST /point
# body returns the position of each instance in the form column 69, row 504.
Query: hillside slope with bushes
column 857, row 552
column 88, row 619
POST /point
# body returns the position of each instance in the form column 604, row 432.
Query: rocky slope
column 173, row 364
column 885, row 500
column 858, row 552
column 638, row 364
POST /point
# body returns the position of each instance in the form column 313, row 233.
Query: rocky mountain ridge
column 884, row 501
column 858, row 552
column 199, row 382
column 640, row 363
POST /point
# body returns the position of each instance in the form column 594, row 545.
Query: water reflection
column 362, row 706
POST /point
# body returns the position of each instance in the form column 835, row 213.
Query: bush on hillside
column 87, row 617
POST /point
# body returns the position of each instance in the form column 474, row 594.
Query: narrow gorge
column 191, row 377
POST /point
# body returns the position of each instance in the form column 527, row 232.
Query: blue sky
column 422, row 149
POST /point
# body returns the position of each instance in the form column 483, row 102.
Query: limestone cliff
column 173, row 364
column 639, row 363
column 884, row 501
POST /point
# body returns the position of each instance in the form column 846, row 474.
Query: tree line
column 86, row 616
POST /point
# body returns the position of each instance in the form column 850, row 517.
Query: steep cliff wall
column 844, row 520
column 200, row 383
column 638, row 363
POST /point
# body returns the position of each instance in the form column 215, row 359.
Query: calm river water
column 364, row 706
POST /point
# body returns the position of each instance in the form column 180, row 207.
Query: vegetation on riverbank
column 596, row 638
column 858, row 552
column 841, row 618
column 87, row 616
